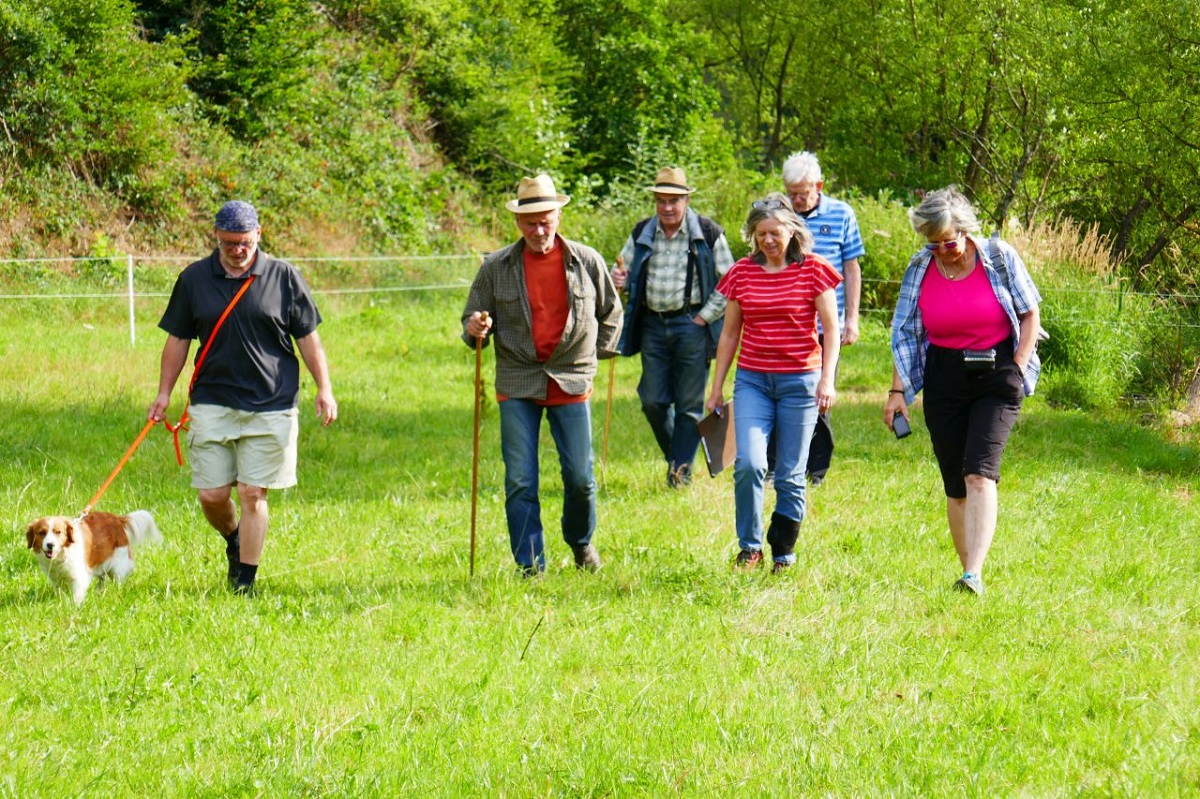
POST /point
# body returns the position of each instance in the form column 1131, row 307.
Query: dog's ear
column 70, row 533
column 29, row 536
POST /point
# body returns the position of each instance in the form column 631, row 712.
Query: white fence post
column 132, row 324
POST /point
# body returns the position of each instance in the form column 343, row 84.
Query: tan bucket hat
column 536, row 194
column 671, row 180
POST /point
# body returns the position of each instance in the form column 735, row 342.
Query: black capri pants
column 970, row 413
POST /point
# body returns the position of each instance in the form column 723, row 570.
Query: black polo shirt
column 252, row 364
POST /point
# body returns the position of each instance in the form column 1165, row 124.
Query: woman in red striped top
column 784, row 379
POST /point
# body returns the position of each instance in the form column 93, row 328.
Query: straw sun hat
column 535, row 195
column 671, row 180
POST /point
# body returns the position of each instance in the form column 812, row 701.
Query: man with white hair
column 836, row 238
column 554, row 312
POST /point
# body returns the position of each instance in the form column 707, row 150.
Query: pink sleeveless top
column 962, row 314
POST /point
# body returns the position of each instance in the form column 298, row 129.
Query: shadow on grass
column 1087, row 441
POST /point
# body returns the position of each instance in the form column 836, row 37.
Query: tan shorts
column 228, row 446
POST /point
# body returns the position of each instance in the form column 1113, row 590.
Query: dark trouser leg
column 571, row 428
column 782, row 535
column 520, row 421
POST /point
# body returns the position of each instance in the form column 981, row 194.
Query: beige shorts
column 228, row 446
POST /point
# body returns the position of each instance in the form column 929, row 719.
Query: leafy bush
column 81, row 91
column 1097, row 327
column 890, row 243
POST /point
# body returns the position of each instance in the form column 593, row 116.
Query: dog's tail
column 142, row 530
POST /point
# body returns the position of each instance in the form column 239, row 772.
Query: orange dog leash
column 183, row 417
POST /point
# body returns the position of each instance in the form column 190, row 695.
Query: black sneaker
column 586, row 558
column 233, row 553
column 779, row 568
column 244, row 589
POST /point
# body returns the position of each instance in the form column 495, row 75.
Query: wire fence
column 134, row 277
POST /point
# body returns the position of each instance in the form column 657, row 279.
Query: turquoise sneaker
column 970, row 584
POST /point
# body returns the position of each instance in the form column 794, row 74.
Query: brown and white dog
column 73, row 552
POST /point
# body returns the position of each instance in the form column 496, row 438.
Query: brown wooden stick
column 612, row 375
column 475, row 441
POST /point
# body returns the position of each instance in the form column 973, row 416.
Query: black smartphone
column 900, row 425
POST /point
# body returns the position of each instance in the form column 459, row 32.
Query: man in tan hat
column 673, row 315
column 554, row 311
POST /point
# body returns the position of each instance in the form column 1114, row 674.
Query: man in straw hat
column 554, row 311
column 244, row 424
column 673, row 315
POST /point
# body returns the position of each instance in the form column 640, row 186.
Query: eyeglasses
column 233, row 245
column 768, row 205
column 948, row 246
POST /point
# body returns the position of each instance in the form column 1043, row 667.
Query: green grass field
column 370, row 664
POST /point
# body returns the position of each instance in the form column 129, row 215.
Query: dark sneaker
column 779, row 567
column 679, row 476
column 586, row 558
column 233, row 553
column 529, row 572
column 747, row 561
column 244, row 589
column 969, row 584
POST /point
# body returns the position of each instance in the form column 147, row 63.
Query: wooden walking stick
column 475, row 444
column 612, row 374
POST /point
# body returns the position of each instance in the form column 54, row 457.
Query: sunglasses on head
column 768, row 205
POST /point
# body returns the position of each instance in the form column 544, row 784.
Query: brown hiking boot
column 747, row 561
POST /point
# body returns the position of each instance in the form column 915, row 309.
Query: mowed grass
column 371, row 664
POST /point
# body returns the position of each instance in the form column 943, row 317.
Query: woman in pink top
column 965, row 331
column 783, row 377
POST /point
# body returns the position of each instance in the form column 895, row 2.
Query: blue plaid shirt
column 1012, row 285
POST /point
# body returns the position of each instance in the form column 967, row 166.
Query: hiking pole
column 475, row 443
column 612, row 374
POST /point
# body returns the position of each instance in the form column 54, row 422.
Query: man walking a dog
column 673, row 315
column 244, row 422
column 551, row 308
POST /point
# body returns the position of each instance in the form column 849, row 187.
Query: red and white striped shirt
column 779, row 313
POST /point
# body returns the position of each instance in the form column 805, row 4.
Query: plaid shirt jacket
column 593, row 321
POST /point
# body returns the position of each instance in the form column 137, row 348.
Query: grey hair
column 801, row 166
column 801, row 243
column 944, row 211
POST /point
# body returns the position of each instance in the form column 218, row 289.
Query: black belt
column 689, row 310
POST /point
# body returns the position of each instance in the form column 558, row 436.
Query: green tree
column 638, row 75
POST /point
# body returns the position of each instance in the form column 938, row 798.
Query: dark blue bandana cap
column 237, row 216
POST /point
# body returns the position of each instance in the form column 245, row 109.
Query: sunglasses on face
column 768, row 205
column 949, row 246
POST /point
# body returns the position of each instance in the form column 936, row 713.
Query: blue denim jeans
column 674, row 377
column 571, row 428
column 787, row 404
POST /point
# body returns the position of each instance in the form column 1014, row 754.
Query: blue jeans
column 674, row 375
column 787, row 404
column 571, row 428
